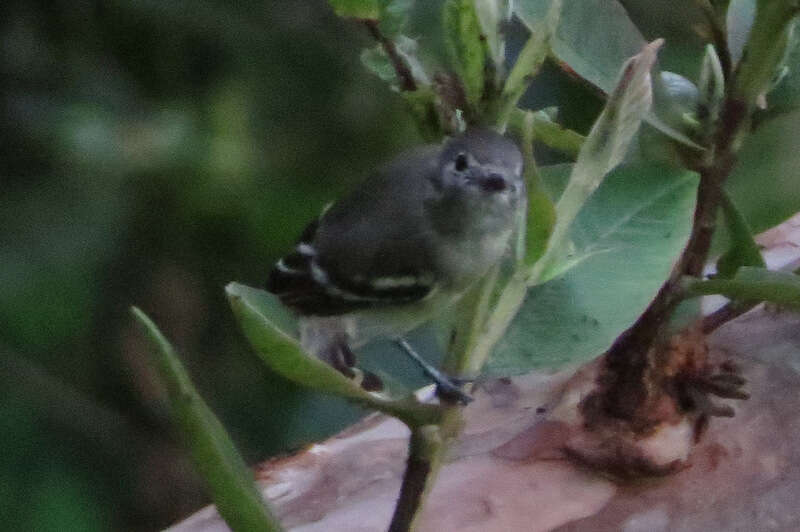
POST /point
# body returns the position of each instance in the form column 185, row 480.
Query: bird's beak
column 494, row 182
column 490, row 180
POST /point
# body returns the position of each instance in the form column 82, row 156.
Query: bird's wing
column 370, row 249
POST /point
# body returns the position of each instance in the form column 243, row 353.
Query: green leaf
column 626, row 239
column 466, row 45
column 653, row 120
column 272, row 332
column 711, row 86
column 493, row 15
column 785, row 96
column 377, row 62
column 214, row 454
column 754, row 284
column 581, row 27
column 365, row 9
column 394, row 15
column 743, row 250
column 765, row 49
column 676, row 101
column 541, row 212
column 423, row 105
column 528, row 62
column 764, row 183
column 739, row 21
column 604, row 148
column 540, row 222
column 594, row 37
column 675, row 111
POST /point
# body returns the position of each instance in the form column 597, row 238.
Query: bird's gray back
column 380, row 229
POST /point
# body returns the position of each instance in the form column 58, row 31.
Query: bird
column 403, row 247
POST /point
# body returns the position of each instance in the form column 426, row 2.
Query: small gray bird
column 403, row 247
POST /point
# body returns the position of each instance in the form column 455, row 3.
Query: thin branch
column 724, row 314
column 415, row 480
column 407, row 82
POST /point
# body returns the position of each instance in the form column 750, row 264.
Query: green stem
column 556, row 136
column 430, row 443
column 538, row 126
column 473, row 311
column 527, row 65
column 427, row 449
column 506, row 307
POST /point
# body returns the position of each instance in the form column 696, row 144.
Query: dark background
column 150, row 153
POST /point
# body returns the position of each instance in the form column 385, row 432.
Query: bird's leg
column 339, row 355
column 447, row 388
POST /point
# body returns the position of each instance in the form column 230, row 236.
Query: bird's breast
column 462, row 261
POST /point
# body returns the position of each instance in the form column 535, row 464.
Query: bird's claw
column 449, row 390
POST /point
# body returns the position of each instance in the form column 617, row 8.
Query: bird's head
column 479, row 180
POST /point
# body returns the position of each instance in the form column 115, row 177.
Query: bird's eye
column 461, row 162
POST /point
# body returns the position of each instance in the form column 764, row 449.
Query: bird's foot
column 448, row 388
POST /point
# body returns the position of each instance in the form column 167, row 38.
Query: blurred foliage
column 154, row 151
column 151, row 153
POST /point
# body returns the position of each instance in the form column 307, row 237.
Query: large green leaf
column 214, row 454
column 594, row 37
column 626, row 239
column 764, row 184
column 272, row 332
